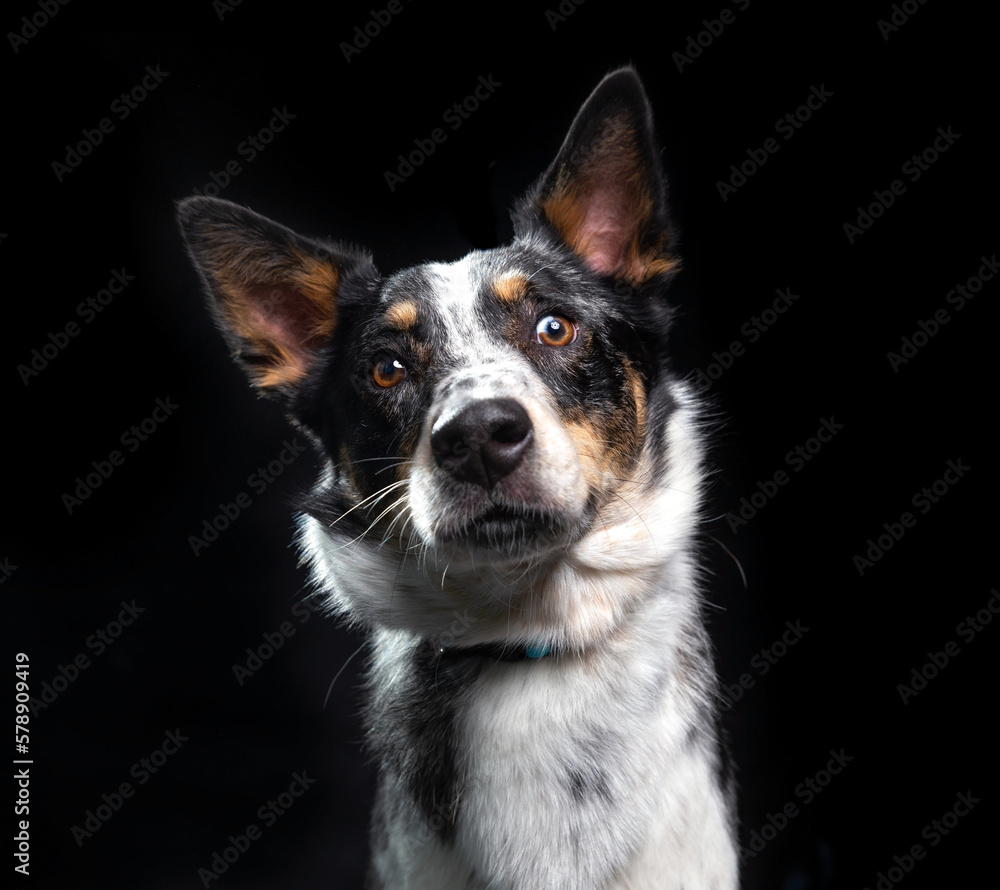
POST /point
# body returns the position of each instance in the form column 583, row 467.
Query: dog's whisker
column 402, row 514
column 540, row 269
column 337, row 675
column 398, row 458
column 370, row 500
column 377, row 519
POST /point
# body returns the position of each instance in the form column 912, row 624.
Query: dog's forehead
column 452, row 303
column 446, row 290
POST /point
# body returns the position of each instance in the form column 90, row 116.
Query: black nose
column 484, row 442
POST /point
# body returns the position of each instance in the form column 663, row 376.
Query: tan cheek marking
column 638, row 399
column 402, row 316
column 607, row 447
column 593, row 453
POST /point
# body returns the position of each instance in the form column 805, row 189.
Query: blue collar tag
column 537, row 650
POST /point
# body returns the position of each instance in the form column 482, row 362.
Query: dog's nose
column 483, row 442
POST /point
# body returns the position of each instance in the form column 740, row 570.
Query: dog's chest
column 552, row 754
column 560, row 772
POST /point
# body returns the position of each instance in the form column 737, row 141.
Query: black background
column 835, row 689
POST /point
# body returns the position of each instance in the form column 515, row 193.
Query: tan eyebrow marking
column 402, row 315
column 511, row 287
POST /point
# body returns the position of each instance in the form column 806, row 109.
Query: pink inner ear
column 285, row 318
column 604, row 232
column 283, row 334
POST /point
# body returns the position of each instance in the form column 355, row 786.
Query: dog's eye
column 388, row 371
column 555, row 331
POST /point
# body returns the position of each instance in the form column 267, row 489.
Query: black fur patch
column 586, row 780
column 416, row 741
column 585, row 786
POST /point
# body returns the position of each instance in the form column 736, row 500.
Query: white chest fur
column 584, row 773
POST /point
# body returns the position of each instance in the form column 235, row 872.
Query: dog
column 509, row 503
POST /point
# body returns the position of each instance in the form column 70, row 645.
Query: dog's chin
column 503, row 534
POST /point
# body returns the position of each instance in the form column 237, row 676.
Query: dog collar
column 497, row 651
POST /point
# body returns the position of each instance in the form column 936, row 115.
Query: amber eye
column 388, row 372
column 555, row 331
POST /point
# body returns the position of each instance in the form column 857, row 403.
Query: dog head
column 502, row 436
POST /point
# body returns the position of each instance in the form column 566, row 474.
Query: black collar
column 494, row 652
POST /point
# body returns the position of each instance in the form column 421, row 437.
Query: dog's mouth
column 508, row 530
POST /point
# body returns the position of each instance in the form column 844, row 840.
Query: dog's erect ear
column 273, row 292
column 604, row 194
